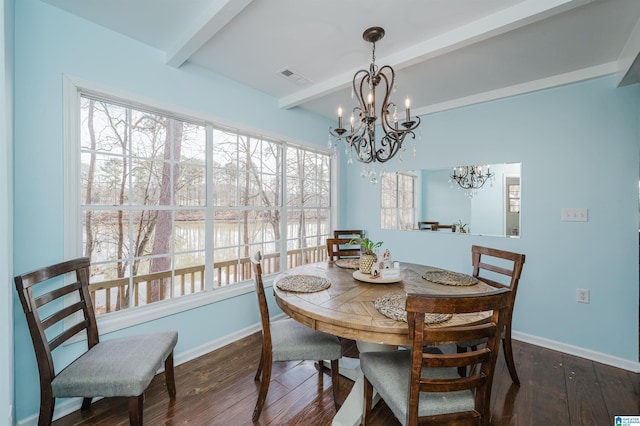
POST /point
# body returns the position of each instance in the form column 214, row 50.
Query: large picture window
column 172, row 206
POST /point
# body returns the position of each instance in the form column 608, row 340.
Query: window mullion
column 284, row 199
column 209, row 211
column 128, row 154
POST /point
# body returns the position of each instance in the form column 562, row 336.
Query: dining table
column 336, row 298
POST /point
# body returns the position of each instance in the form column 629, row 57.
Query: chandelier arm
column 358, row 90
column 385, row 123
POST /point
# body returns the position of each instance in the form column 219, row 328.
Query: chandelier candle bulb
column 352, row 120
column 340, row 117
column 407, row 103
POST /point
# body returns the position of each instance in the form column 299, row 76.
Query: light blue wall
column 6, row 201
column 50, row 43
column 579, row 147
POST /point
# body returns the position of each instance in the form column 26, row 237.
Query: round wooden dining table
column 347, row 309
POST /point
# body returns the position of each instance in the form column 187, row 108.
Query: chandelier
column 362, row 135
column 471, row 178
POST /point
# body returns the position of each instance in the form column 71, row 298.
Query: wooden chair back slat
column 56, row 294
column 62, row 314
column 438, row 227
column 349, row 233
column 67, row 334
column 464, row 333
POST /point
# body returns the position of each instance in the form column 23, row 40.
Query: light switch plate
column 575, row 214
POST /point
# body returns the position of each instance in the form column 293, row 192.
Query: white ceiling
column 446, row 53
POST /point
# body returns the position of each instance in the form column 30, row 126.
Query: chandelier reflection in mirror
column 362, row 135
column 472, row 178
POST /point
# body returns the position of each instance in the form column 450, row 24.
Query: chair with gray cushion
column 120, row 367
column 422, row 384
column 289, row 340
column 499, row 269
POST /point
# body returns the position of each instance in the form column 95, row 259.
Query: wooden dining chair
column 500, row 269
column 422, row 384
column 428, row 226
column 120, row 367
column 289, row 340
column 339, row 248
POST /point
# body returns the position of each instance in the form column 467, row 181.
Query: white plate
column 367, row 278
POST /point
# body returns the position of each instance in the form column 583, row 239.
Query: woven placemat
column 450, row 278
column 348, row 263
column 303, row 283
column 392, row 306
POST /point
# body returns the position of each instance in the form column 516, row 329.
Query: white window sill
column 111, row 322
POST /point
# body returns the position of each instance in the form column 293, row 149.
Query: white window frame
column 396, row 208
column 72, row 88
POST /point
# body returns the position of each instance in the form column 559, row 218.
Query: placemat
column 303, row 283
column 353, row 263
column 392, row 305
column 450, row 278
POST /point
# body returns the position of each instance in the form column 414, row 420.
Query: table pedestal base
column 350, row 414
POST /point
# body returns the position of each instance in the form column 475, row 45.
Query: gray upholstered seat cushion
column 389, row 374
column 292, row 341
column 118, row 367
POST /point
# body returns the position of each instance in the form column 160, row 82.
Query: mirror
column 430, row 196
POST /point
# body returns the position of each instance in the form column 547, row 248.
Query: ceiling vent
column 294, row 77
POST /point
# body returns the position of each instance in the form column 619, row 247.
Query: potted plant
column 368, row 256
column 461, row 227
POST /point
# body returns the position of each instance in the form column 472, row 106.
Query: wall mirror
column 429, row 200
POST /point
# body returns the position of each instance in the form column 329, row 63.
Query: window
column 398, row 210
column 163, row 196
column 514, row 198
column 308, row 183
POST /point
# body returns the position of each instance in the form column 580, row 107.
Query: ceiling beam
column 629, row 59
column 506, row 20
column 213, row 20
column 520, row 89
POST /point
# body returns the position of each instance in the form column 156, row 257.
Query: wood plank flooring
column 218, row 389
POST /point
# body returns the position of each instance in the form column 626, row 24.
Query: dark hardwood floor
column 218, row 389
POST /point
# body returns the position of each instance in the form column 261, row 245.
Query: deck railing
column 109, row 296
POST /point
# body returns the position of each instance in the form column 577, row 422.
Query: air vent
column 294, row 77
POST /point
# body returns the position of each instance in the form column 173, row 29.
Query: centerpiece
column 368, row 257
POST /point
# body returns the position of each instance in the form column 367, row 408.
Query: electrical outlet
column 583, row 296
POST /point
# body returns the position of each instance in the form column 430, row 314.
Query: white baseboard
column 600, row 357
